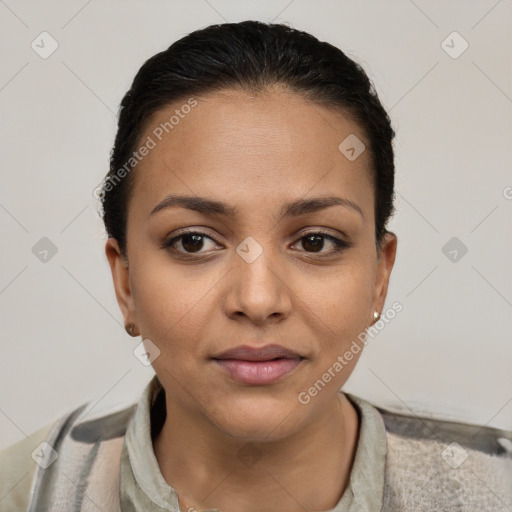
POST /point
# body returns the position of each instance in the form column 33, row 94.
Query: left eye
column 316, row 242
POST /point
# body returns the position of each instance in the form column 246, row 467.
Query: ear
column 121, row 277
column 385, row 260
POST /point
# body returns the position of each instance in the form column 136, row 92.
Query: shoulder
column 17, row 467
column 65, row 443
column 467, row 465
column 475, row 437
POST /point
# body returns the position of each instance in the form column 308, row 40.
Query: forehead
column 235, row 145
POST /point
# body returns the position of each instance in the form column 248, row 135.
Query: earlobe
column 120, row 271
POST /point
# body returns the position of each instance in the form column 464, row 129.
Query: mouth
column 258, row 366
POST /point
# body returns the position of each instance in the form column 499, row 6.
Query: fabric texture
column 143, row 487
column 17, row 468
column 403, row 463
column 437, row 465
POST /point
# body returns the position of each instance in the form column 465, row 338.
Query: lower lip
column 258, row 372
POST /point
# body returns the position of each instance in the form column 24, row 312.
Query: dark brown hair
column 253, row 56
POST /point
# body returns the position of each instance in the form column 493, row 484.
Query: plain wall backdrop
column 442, row 70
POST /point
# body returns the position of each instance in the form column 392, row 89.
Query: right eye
column 191, row 241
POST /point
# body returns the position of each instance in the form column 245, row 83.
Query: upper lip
column 266, row 353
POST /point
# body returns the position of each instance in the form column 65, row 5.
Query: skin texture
column 254, row 153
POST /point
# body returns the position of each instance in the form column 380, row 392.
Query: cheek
column 342, row 298
column 164, row 291
column 171, row 304
column 338, row 312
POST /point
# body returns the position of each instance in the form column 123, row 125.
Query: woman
column 251, row 181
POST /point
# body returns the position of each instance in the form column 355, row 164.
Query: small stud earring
column 376, row 315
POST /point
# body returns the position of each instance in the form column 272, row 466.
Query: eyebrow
column 294, row 209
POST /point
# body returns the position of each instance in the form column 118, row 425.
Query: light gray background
column 447, row 354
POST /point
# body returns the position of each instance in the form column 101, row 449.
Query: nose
column 258, row 289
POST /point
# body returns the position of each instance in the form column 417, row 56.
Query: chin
column 258, row 424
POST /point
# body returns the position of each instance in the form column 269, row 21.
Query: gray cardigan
column 431, row 465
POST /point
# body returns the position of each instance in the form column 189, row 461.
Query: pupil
column 317, row 244
column 195, row 245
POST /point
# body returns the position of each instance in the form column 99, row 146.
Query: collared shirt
column 143, row 486
column 429, row 464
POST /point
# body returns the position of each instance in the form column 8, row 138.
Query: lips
column 266, row 353
column 258, row 366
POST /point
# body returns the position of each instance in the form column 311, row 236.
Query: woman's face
column 255, row 276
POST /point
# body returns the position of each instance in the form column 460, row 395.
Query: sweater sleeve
column 17, row 469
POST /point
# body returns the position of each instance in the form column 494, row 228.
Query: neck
column 309, row 469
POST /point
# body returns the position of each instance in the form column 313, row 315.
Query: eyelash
column 339, row 245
